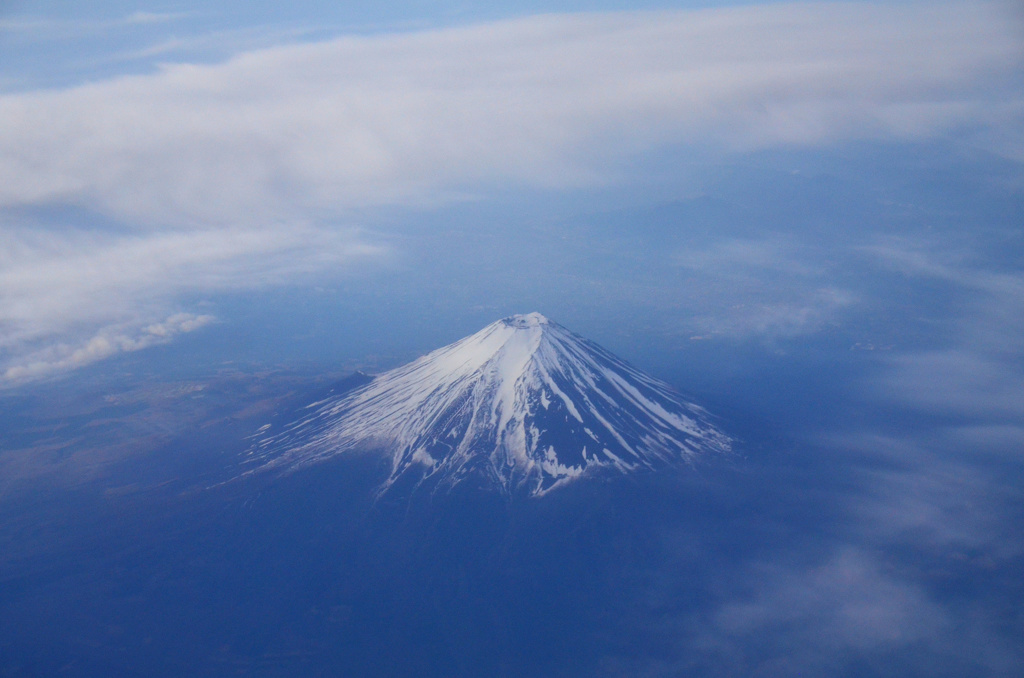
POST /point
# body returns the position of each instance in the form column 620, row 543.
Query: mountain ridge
column 524, row 404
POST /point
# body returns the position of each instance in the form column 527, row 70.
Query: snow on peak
column 524, row 402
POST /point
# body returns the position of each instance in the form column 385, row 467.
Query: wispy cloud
column 777, row 287
column 745, row 258
column 958, row 382
column 838, row 615
column 948, row 264
column 808, row 314
column 59, row 357
column 212, row 45
column 142, row 17
column 939, row 489
column 928, row 480
column 976, row 374
column 846, row 603
column 917, row 512
column 73, row 297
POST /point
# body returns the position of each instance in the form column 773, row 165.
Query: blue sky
column 812, row 212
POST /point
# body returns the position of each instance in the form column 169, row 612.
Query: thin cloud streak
column 45, row 27
column 61, row 356
column 70, row 299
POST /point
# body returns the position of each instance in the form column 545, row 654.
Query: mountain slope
column 524, row 404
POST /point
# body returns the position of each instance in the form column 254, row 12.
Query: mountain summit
column 524, row 404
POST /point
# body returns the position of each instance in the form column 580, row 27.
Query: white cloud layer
column 224, row 176
column 541, row 100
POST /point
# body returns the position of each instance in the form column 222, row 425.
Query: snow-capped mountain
column 524, row 404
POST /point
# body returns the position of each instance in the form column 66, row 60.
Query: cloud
column 921, row 494
column 60, row 357
column 235, row 174
column 50, row 281
column 75, row 296
column 209, row 46
column 932, row 469
column 746, row 258
column 141, row 17
column 814, row 309
column 546, row 101
column 957, row 381
column 948, row 264
column 58, row 28
column 768, row 288
column 977, row 375
column 846, row 603
column 896, row 562
column 942, row 490
column 847, row 613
